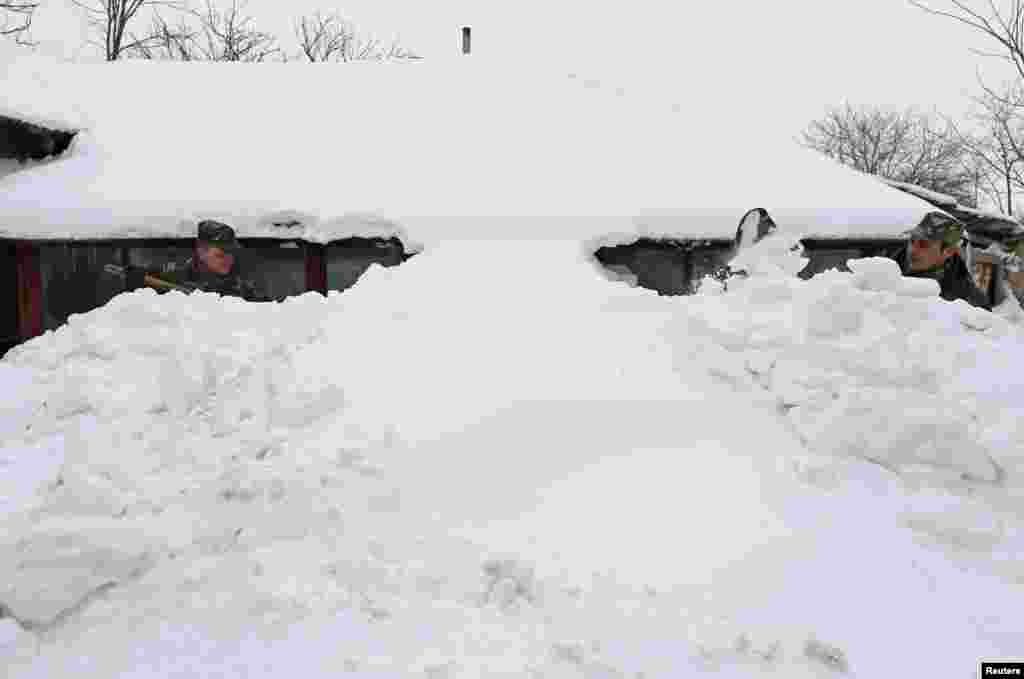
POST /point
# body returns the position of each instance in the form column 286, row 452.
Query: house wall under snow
column 824, row 255
column 43, row 283
column 669, row 267
column 9, row 334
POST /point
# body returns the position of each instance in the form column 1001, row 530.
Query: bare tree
column 209, row 34
column 111, row 19
column 229, row 35
column 1004, row 26
column 907, row 146
column 331, row 37
column 996, row 145
column 324, row 37
column 168, row 42
column 16, row 19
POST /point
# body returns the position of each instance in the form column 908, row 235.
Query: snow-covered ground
column 492, row 461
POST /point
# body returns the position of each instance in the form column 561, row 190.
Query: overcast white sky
column 786, row 59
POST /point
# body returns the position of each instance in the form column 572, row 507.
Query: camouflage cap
column 937, row 226
column 217, row 233
column 1015, row 245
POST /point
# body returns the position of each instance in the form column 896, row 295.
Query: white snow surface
column 424, row 151
column 492, row 461
column 32, row 90
column 942, row 199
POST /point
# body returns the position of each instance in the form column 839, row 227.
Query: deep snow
column 422, row 151
column 494, row 461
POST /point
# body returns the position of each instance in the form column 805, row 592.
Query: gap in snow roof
column 23, row 141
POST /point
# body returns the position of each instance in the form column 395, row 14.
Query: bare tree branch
column 209, row 34
column 110, row 19
column 331, row 37
column 1005, row 27
column 229, row 35
column 324, row 37
column 905, row 145
column 16, row 19
column 998, row 147
column 167, row 42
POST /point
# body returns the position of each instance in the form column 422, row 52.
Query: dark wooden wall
column 43, row 283
column 667, row 267
column 834, row 254
column 9, row 331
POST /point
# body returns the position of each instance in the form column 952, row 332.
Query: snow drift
column 541, row 472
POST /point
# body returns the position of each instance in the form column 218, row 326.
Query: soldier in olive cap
column 934, row 252
column 211, row 268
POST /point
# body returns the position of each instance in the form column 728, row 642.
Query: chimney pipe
column 465, row 40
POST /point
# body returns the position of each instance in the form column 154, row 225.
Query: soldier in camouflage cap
column 934, row 252
column 212, row 267
column 217, row 234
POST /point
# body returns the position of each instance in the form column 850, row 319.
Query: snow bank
column 871, row 351
column 479, row 465
column 437, row 148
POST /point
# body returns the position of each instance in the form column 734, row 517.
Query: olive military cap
column 218, row 234
column 1015, row 245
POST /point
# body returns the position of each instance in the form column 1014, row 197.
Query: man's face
column 216, row 260
column 928, row 254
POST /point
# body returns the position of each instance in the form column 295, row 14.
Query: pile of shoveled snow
column 870, row 365
column 492, row 461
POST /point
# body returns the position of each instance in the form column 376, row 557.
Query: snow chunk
column 881, row 274
column 900, row 429
column 59, row 568
column 837, row 313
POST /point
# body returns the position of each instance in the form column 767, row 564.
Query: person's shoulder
column 176, row 265
column 251, row 290
column 962, row 284
column 176, row 270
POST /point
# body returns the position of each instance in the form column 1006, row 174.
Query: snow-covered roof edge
column 934, row 197
column 280, row 226
column 992, row 224
column 108, row 189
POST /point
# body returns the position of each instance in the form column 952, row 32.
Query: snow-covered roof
column 979, row 222
column 423, row 151
column 936, row 198
column 991, row 223
column 30, row 93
